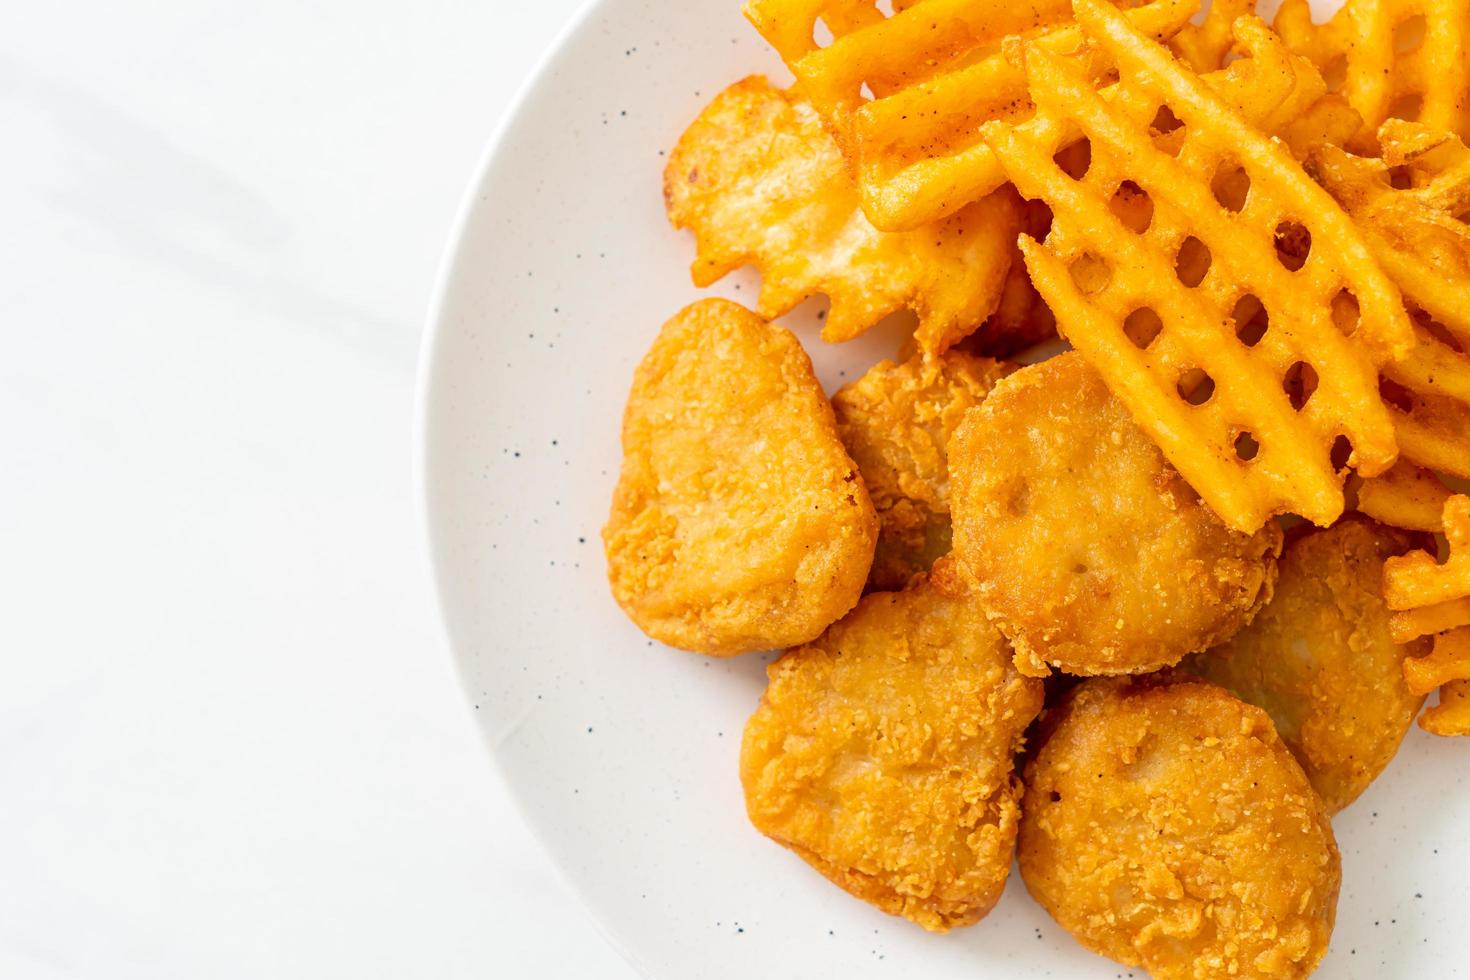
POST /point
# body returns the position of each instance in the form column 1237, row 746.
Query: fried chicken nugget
column 1166, row 826
column 739, row 522
column 896, row 421
column 1091, row 552
column 1320, row 661
column 882, row 754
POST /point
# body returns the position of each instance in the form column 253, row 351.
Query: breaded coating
column 739, row 522
column 1166, row 826
column 896, row 421
column 1319, row 658
column 760, row 181
column 1021, row 318
column 882, row 754
column 1091, row 552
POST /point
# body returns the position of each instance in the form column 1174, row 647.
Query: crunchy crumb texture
column 882, row 754
column 1319, row 659
column 739, row 522
column 1091, row 552
column 1166, row 826
column 760, row 182
column 1021, row 318
column 896, row 421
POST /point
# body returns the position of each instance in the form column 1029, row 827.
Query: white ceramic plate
column 621, row 752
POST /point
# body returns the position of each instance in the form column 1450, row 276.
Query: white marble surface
column 231, row 742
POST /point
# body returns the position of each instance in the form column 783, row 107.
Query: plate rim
column 447, row 271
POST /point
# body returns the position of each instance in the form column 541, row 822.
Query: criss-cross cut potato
column 760, row 182
column 1434, row 598
column 905, row 94
column 1446, row 668
column 1416, row 581
column 1203, row 46
column 1155, row 306
column 1407, row 496
column 1391, row 58
column 1419, row 236
column 882, row 753
column 739, row 522
column 896, row 421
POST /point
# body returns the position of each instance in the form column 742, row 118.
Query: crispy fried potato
column 1448, row 668
column 1166, row 826
column 1406, row 496
column 1387, row 65
column 1090, row 551
column 1418, row 581
column 896, row 421
column 1419, row 236
column 759, row 181
column 739, row 522
column 1203, row 46
column 1021, row 318
column 1433, row 598
column 1249, row 449
column 1320, row 661
column 882, row 753
column 905, row 95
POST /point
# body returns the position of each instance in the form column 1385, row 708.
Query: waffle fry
column 1418, row 237
column 1447, row 668
column 1416, row 580
column 1249, row 447
column 760, row 182
column 1203, row 46
column 935, row 73
column 1021, row 318
column 1396, row 58
column 1434, row 598
column 1406, row 496
column 789, row 24
column 1429, row 621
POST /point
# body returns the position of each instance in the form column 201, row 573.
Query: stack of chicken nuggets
column 1147, row 612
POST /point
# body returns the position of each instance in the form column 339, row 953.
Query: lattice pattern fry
column 1416, row 580
column 789, row 26
column 1406, row 496
column 1203, row 46
column 1433, row 598
column 760, row 182
column 1404, row 59
column 1422, row 242
column 1153, row 306
column 1441, row 617
column 906, row 95
column 1447, row 668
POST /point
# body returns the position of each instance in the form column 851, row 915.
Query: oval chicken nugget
column 896, row 421
column 739, row 522
column 882, row 753
column 1166, row 826
column 1319, row 658
column 1090, row 551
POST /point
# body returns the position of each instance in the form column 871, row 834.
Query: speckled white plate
column 623, row 753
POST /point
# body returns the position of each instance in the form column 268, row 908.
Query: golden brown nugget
column 1321, row 662
column 882, row 753
column 1166, row 826
column 1090, row 550
column 739, row 522
column 896, row 421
